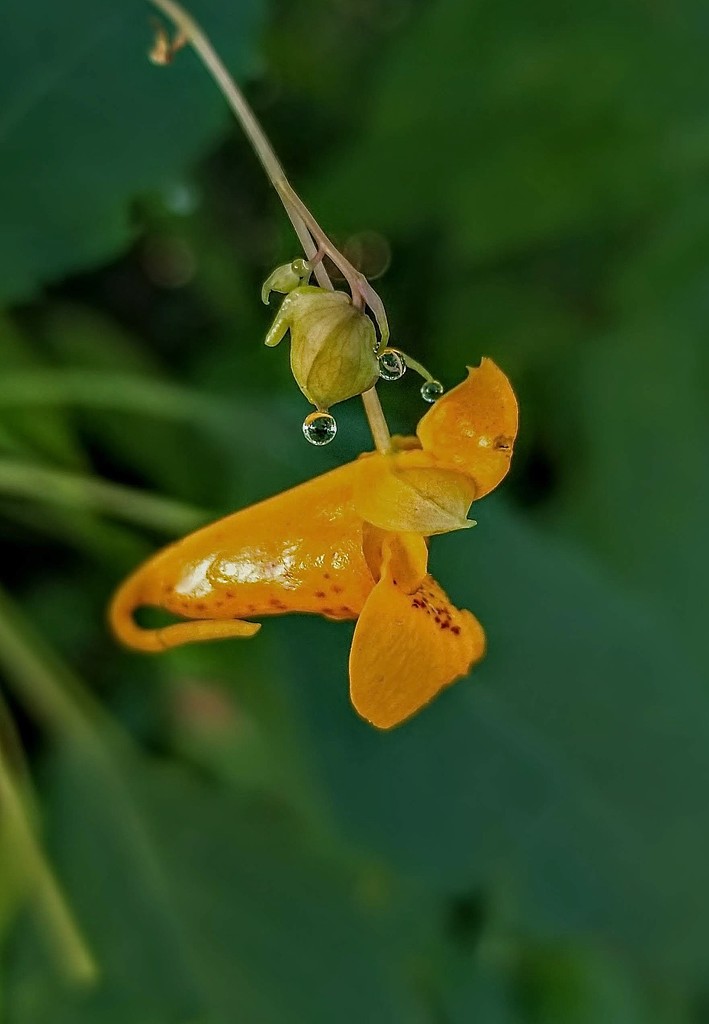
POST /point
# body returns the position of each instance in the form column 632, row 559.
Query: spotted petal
column 473, row 427
column 409, row 643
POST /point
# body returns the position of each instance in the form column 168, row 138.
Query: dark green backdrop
column 232, row 843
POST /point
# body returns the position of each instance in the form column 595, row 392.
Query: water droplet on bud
column 392, row 364
column 319, row 428
column 431, row 390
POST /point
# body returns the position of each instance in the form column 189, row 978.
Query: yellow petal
column 473, row 427
column 408, row 492
column 408, row 646
column 300, row 551
column 406, row 554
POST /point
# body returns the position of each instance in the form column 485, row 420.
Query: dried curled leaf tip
column 164, row 45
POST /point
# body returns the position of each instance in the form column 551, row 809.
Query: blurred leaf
column 108, row 544
column 270, row 930
column 229, row 714
column 51, row 434
column 157, row 450
column 155, row 864
column 514, row 123
column 121, row 905
column 572, row 768
column 55, row 487
column 638, row 488
column 38, row 882
column 233, row 426
column 513, row 982
column 480, row 988
column 87, row 124
column 583, row 986
column 13, row 881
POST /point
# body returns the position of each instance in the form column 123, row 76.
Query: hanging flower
column 349, row 544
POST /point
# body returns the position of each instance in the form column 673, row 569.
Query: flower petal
column 408, row 646
column 406, row 554
column 300, row 551
column 473, row 427
column 407, row 492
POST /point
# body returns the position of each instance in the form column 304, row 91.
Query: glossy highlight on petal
column 407, row 647
column 474, row 426
column 300, row 551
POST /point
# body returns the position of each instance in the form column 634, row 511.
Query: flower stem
column 377, row 421
column 418, row 367
column 311, row 236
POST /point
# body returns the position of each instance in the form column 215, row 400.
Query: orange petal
column 405, row 554
column 408, row 646
column 408, row 492
column 300, row 551
column 473, row 427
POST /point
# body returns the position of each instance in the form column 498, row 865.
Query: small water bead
column 319, row 428
column 392, row 364
column 431, row 390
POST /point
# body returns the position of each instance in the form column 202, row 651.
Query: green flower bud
column 285, row 278
column 333, row 344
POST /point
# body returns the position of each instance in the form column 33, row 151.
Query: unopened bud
column 333, row 345
column 285, row 278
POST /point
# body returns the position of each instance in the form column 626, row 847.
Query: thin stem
column 377, row 421
column 292, row 202
column 189, row 28
column 311, row 236
column 418, row 367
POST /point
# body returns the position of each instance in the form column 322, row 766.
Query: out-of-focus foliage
column 85, row 126
column 230, row 841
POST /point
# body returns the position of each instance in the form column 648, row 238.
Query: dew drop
column 431, row 390
column 319, row 428
column 392, row 364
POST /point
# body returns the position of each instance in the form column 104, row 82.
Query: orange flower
column 349, row 544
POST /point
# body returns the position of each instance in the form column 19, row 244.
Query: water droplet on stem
column 392, row 364
column 431, row 390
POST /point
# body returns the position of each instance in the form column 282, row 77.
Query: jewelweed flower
column 349, row 544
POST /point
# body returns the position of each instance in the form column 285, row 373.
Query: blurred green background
column 214, row 831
